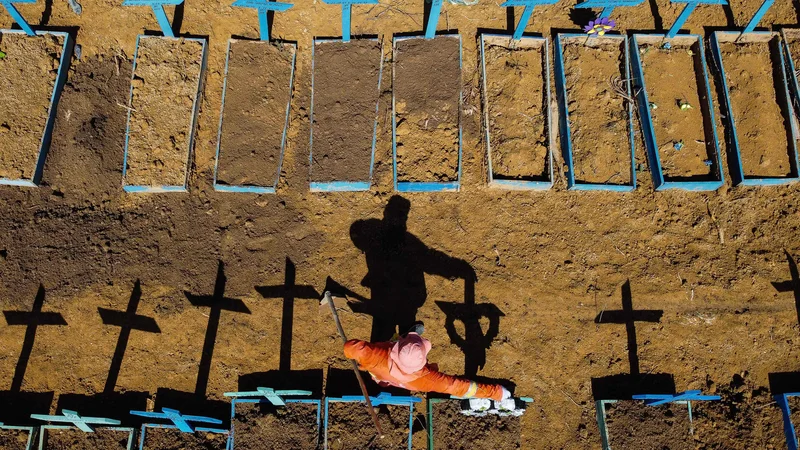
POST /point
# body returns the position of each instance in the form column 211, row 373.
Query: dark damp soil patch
column 263, row 426
column 171, row 439
column 632, row 424
column 350, row 426
column 101, row 439
column 454, row 430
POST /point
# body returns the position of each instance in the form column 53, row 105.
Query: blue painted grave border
column 61, row 79
column 192, row 123
column 425, row 186
column 648, row 128
column 253, row 189
column 542, row 44
column 171, row 427
column 383, row 398
column 735, row 156
column 788, row 427
column 131, row 433
column 564, row 127
column 32, row 431
column 794, row 85
column 237, row 401
column 341, row 186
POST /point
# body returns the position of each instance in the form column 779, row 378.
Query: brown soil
column 345, row 99
column 671, row 81
column 164, row 90
column 29, row 72
column 794, row 407
column 634, row 425
column 171, row 439
column 517, row 111
column 598, row 116
column 454, row 430
column 14, row 439
column 427, row 88
column 260, row 426
column 760, row 125
column 350, row 427
column 101, row 439
column 256, row 97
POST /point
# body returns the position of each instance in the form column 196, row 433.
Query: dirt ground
column 25, row 103
column 165, row 439
column 350, row 426
column 265, row 427
column 14, row 439
column 598, row 115
column 346, row 77
column 454, row 430
column 101, row 439
column 632, row 424
column 164, row 89
column 548, row 261
column 258, row 93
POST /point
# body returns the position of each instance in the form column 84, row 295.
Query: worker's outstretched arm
column 434, row 381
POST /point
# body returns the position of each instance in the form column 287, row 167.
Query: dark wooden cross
column 32, row 320
column 792, row 285
column 128, row 321
column 216, row 303
column 289, row 292
column 628, row 316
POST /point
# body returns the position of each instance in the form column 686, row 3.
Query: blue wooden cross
column 662, row 399
column 608, row 5
column 687, row 11
column 182, row 422
column 158, row 10
column 526, row 13
column 346, row 7
column 384, row 398
column 263, row 7
column 273, row 396
column 758, row 15
column 12, row 10
column 74, row 418
column 788, row 427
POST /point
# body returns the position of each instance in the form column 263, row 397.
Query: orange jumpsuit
column 374, row 358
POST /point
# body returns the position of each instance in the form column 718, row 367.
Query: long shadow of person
column 397, row 262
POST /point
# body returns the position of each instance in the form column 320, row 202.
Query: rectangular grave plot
column 345, row 90
column 632, row 424
column 17, row 438
column 349, row 425
column 596, row 119
column 167, row 437
column 426, row 103
column 32, row 74
column 516, row 95
column 55, row 437
column 754, row 422
column 166, row 85
column 260, row 425
column 761, row 138
column 452, row 429
column 677, row 115
column 259, row 77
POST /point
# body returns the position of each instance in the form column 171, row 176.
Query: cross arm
column 151, row 2
column 24, row 318
column 702, row 2
column 350, row 2
column 121, row 319
column 622, row 316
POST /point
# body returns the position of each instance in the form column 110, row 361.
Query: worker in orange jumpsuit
column 404, row 364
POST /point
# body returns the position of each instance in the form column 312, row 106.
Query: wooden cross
column 158, row 10
column 82, row 423
column 687, row 11
column 263, row 7
column 12, row 10
column 181, row 421
column 607, row 5
column 526, row 12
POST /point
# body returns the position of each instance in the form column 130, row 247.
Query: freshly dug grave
column 634, row 425
column 257, row 96
column 14, row 439
column 760, row 123
column 172, row 439
column 350, row 427
column 427, row 90
column 101, row 439
column 28, row 75
column 598, row 115
column 516, row 102
column 262, row 426
column 672, row 80
column 165, row 83
column 454, row 430
column 794, row 407
column 346, row 76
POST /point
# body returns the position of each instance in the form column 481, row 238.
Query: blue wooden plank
column 72, row 417
column 12, row 11
column 180, row 421
column 758, row 16
column 263, row 6
column 687, row 11
column 433, row 18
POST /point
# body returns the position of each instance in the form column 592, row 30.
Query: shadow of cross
column 216, row 304
column 792, row 285
column 289, row 292
column 127, row 321
column 628, row 316
column 32, row 320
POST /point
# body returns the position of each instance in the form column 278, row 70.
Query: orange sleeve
column 434, row 381
column 366, row 355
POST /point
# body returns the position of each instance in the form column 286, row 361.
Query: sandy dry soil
column 547, row 264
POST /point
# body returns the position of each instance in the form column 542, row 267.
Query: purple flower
column 599, row 27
